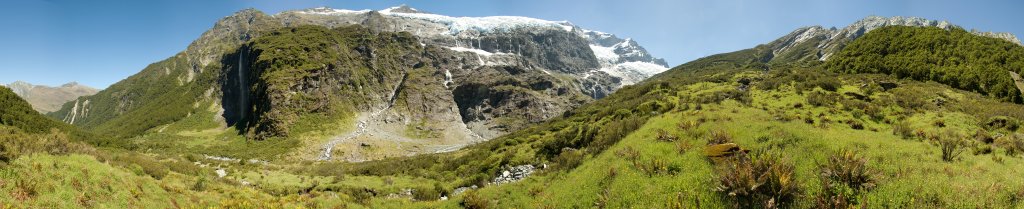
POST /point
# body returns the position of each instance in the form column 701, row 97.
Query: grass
column 910, row 173
column 642, row 147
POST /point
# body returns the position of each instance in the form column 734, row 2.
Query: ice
column 329, row 11
column 606, row 54
column 490, row 24
column 477, row 51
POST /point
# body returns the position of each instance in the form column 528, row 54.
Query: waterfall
column 243, row 94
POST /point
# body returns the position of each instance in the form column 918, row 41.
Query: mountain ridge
column 823, row 43
column 48, row 99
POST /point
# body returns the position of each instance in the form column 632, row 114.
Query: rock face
column 553, row 45
column 45, row 99
column 818, row 43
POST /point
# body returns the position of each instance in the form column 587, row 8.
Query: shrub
column 762, row 181
column 361, row 195
column 569, row 158
column 902, row 129
column 148, row 165
column 719, row 136
column 184, row 168
column 425, row 193
column 628, row 153
column 818, row 99
column 683, row 146
column 855, row 124
column 200, row 185
column 844, row 177
column 982, row 149
column 665, row 136
column 1013, row 143
column 687, row 125
column 680, row 202
column 655, row 166
column 951, row 145
column 15, row 143
column 474, row 201
column 983, row 137
column 24, row 189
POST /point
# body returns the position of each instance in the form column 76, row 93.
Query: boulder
column 723, row 150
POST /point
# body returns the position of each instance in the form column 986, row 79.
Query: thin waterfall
column 243, row 94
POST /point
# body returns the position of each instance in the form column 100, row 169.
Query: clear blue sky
column 98, row 43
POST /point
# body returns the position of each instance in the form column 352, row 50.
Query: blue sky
column 98, row 43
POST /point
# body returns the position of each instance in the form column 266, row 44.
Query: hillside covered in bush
column 953, row 57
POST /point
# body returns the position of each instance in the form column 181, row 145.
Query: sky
column 98, row 43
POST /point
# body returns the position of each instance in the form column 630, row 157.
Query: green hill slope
column 954, row 57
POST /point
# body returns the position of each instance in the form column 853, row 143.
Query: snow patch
column 477, row 51
column 634, row 72
column 457, row 25
column 329, row 11
column 606, row 54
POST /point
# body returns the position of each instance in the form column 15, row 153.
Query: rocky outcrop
column 513, row 174
column 819, row 43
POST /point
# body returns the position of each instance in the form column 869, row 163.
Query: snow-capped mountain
column 623, row 58
column 828, row 41
column 497, row 39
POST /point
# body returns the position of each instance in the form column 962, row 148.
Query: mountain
column 48, row 99
column 556, row 45
column 228, row 122
column 17, row 113
column 433, row 82
column 819, row 43
column 750, row 130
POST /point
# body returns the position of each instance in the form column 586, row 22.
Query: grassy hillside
column 735, row 130
column 953, row 57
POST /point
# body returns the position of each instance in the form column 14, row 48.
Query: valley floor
column 668, row 162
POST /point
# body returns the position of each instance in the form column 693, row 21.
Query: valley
column 400, row 108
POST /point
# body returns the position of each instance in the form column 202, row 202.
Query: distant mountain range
column 45, row 99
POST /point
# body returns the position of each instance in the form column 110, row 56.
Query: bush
column 655, row 166
column 200, row 185
column 428, row 193
column 474, row 201
column 665, row 136
column 15, row 143
column 1013, row 143
column 903, row 130
column 855, row 124
column 844, row 177
column 569, row 158
column 147, row 164
column 361, row 195
column 951, row 144
column 719, row 137
column 184, row 168
column 819, row 99
column 762, row 181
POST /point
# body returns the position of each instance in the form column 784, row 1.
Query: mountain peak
column 70, row 84
column 402, row 9
column 828, row 41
